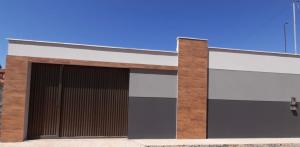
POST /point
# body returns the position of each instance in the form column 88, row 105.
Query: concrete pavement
column 123, row 142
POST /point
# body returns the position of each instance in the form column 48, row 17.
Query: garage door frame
column 59, row 105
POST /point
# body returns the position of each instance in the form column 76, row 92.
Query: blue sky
column 149, row 24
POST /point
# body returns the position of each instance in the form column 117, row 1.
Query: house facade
column 60, row 90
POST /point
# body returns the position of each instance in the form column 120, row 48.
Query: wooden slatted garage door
column 43, row 101
column 74, row 101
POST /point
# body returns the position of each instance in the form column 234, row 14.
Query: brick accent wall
column 192, row 88
column 14, row 94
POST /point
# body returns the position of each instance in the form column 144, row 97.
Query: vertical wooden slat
column 92, row 101
column 72, row 101
column 58, row 103
column 44, row 92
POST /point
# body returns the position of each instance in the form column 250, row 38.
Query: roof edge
column 257, row 52
column 191, row 38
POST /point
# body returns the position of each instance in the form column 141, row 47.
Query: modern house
column 61, row 90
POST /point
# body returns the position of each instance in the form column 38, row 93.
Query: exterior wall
column 247, row 93
column 253, row 86
column 250, row 94
column 152, row 104
column 251, row 119
column 254, row 61
column 1, row 92
column 14, row 99
column 91, row 53
column 16, row 90
column 96, row 63
column 192, row 88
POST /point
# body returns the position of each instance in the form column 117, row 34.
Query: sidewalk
column 114, row 142
column 257, row 142
column 122, row 142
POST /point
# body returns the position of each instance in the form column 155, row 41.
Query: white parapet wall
column 90, row 53
column 241, row 60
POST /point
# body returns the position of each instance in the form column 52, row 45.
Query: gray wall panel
column 149, row 83
column 256, row 119
column 256, row 86
column 152, row 118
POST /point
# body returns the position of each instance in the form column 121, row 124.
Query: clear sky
column 149, row 24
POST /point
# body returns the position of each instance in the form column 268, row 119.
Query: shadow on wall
column 295, row 113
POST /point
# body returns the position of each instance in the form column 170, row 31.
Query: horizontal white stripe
column 25, row 41
column 253, row 62
column 90, row 55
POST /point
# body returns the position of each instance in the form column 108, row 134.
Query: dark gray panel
column 253, row 119
column 256, row 86
column 154, row 71
column 152, row 118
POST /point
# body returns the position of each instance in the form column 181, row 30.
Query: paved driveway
column 123, row 142
column 74, row 143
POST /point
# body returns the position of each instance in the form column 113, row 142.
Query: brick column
column 192, row 88
column 14, row 99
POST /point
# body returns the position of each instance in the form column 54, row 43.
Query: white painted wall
column 218, row 59
column 90, row 55
column 254, row 62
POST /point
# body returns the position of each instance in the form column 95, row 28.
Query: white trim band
column 84, row 54
column 254, row 62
